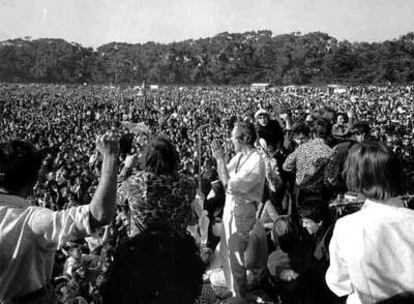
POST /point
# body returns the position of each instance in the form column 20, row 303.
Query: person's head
column 309, row 119
column 285, row 233
column 161, row 157
column 300, row 133
column 51, row 176
column 329, row 114
column 243, row 134
column 322, row 128
column 314, row 213
column 391, row 140
column 75, row 251
column 125, row 143
column 360, row 131
column 62, row 177
column 72, row 198
column 156, row 267
column 262, row 117
column 341, row 118
column 19, row 166
column 208, row 177
column 373, row 170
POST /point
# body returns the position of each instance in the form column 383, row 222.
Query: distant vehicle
column 260, row 86
column 337, row 88
column 140, row 89
column 289, row 88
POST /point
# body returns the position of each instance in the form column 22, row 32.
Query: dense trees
column 226, row 58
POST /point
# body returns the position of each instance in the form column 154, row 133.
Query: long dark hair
column 161, row 157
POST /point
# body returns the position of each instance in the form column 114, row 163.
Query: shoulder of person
column 16, row 213
column 341, row 145
column 257, row 155
column 331, row 150
column 327, row 235
column 305, row 145
column 346, row 222
column 42, row 212
column 274, row 122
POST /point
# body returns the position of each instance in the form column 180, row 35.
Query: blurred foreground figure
column 371, row 251
column 30, row 235
column 159, row 266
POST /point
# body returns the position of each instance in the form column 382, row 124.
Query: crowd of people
column 255, row 177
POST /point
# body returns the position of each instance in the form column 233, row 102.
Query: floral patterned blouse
column 157, row 199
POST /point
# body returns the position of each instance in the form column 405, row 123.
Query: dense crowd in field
column 63, row 122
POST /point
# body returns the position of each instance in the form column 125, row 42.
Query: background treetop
column 227, row 58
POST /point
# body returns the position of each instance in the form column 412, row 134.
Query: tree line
column 227, row 58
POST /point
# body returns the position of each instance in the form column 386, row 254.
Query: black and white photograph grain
column 206, row 152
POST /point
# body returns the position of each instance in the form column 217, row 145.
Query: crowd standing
column 268, row 210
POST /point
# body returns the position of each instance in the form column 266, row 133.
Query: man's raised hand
column 108, row 144
column 217, row 150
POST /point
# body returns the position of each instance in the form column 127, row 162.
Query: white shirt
column 246, row 184
column 247, row 177
column 29, row 237
column 372, row 254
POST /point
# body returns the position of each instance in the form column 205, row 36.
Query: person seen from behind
column 157, row 266
column 30, row 235
column 371, row 250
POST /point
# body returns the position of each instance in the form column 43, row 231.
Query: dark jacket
column 272, row 133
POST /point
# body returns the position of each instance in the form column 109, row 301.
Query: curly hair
column 314, row 208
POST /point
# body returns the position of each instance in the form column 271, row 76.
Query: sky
column 96, row 22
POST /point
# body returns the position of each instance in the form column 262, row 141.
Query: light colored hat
column 260, row 112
